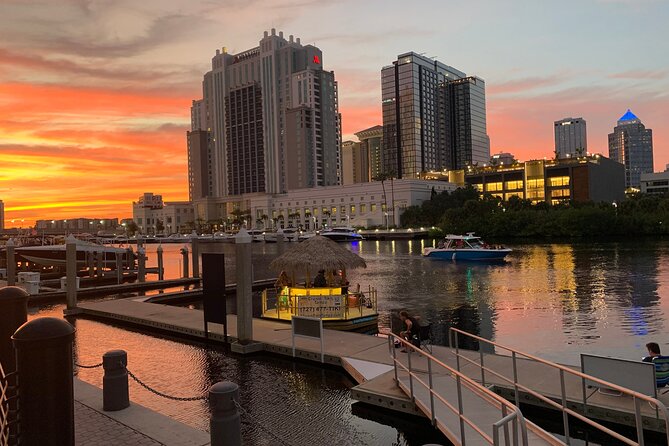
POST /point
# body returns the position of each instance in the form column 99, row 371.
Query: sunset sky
column 95, row 95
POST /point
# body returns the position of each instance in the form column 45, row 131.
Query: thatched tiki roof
column 316, row 253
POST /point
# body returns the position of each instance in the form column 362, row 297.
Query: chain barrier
column 169, row 397
column 243, row 411
column 88, row 366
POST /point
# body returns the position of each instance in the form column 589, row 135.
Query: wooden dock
column 369, row 361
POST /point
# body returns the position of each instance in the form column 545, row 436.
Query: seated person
column 653, row 352
column 319, row 280
column 282, row 281
column 410, row 327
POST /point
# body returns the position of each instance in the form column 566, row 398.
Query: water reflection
column 556, row 300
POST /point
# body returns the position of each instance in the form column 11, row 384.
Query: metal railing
column 637, row 398
column 7, row 414
column 510, row 415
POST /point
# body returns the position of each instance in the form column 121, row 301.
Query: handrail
column 509, row 411
column 637, row 397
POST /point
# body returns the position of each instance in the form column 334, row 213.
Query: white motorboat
column 55, row 255
column 342, row 234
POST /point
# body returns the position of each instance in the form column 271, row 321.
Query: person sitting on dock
column 653, row 352
column 319, row 280
column 410, row 326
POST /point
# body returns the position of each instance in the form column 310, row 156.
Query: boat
column 466, row 247
column 55, row 255
column 341, row 234
column 289, row 235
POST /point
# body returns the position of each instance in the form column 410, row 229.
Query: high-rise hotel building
column 273, row 118
column 631, row 144
column 570, row 138
column 433, row 117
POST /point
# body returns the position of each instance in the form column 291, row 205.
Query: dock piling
column 71, row 273
column 119, row 268
column 244, row 287
column 161, row 270
column 141, row 264
column 115, row 395
column 225, row 422
column 195, row 252
column 184, row 263
column 279, row 241
column 90, row 261
column 11, row 262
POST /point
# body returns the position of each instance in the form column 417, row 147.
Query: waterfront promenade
column 366, row 358
column 135, row 425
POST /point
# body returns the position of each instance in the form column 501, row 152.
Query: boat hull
column 466, row 254
column 343, row 237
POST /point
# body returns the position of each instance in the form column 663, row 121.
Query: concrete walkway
column 135, row 425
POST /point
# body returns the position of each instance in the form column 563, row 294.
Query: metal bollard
column 115, row 394
column 46, row 390
column 225, row 424
column 13, row 314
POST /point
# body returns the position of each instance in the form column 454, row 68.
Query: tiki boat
column 342, row 307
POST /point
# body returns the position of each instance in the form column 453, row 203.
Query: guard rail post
column 46, row 389
column 115, row 395
column 225, row 423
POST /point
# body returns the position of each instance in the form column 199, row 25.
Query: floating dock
column 369, row 361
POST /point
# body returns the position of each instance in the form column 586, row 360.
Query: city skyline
column 94, row 96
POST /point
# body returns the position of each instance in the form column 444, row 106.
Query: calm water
column 553, row 300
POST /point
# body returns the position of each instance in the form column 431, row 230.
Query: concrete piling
column 225, row 422
column 11, row 262
column 184, row 262
column 115, row 394
column 195, row 254
column 44, row 365
column 141, row 264
column 161, row 269
column 244, row 287
column 71, row 273
column 119, row 267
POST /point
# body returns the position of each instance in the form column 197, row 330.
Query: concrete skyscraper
column 570, row 138
column 631, row 144
column 371, row 141
column 273, row 116
column 433, row 117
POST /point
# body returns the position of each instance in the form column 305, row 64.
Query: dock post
column 90, row 261
column 244, row 284
column 141, row 264
column 45, row 368
column 115, row 395
column 279, row 241
column 11, row 262
column 119, row 267
column 184, row 255
column 161, row 270
column 225, row 424
column 100, row 261
column 71, row 273
column 13, row 314
column 195, row 253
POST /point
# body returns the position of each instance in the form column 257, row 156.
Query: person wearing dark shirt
column 410, row 326
column 653, row 352
column 319, row 280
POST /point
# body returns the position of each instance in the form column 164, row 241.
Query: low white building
column 361, row 204
column 150, row 212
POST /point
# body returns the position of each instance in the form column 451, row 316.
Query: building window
column 559, row 181
column 372, row 207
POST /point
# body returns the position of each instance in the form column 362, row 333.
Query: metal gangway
column 553, row 384
column 462, row 409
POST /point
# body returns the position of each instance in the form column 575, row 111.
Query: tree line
column 465, row 210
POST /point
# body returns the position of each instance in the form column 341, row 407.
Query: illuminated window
column 363, row 208
column 559, row 181
column 334, row 210
column 490, row 187
column 352, row 209
column 514, row 185
column 478, row 187
column 372, row 207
